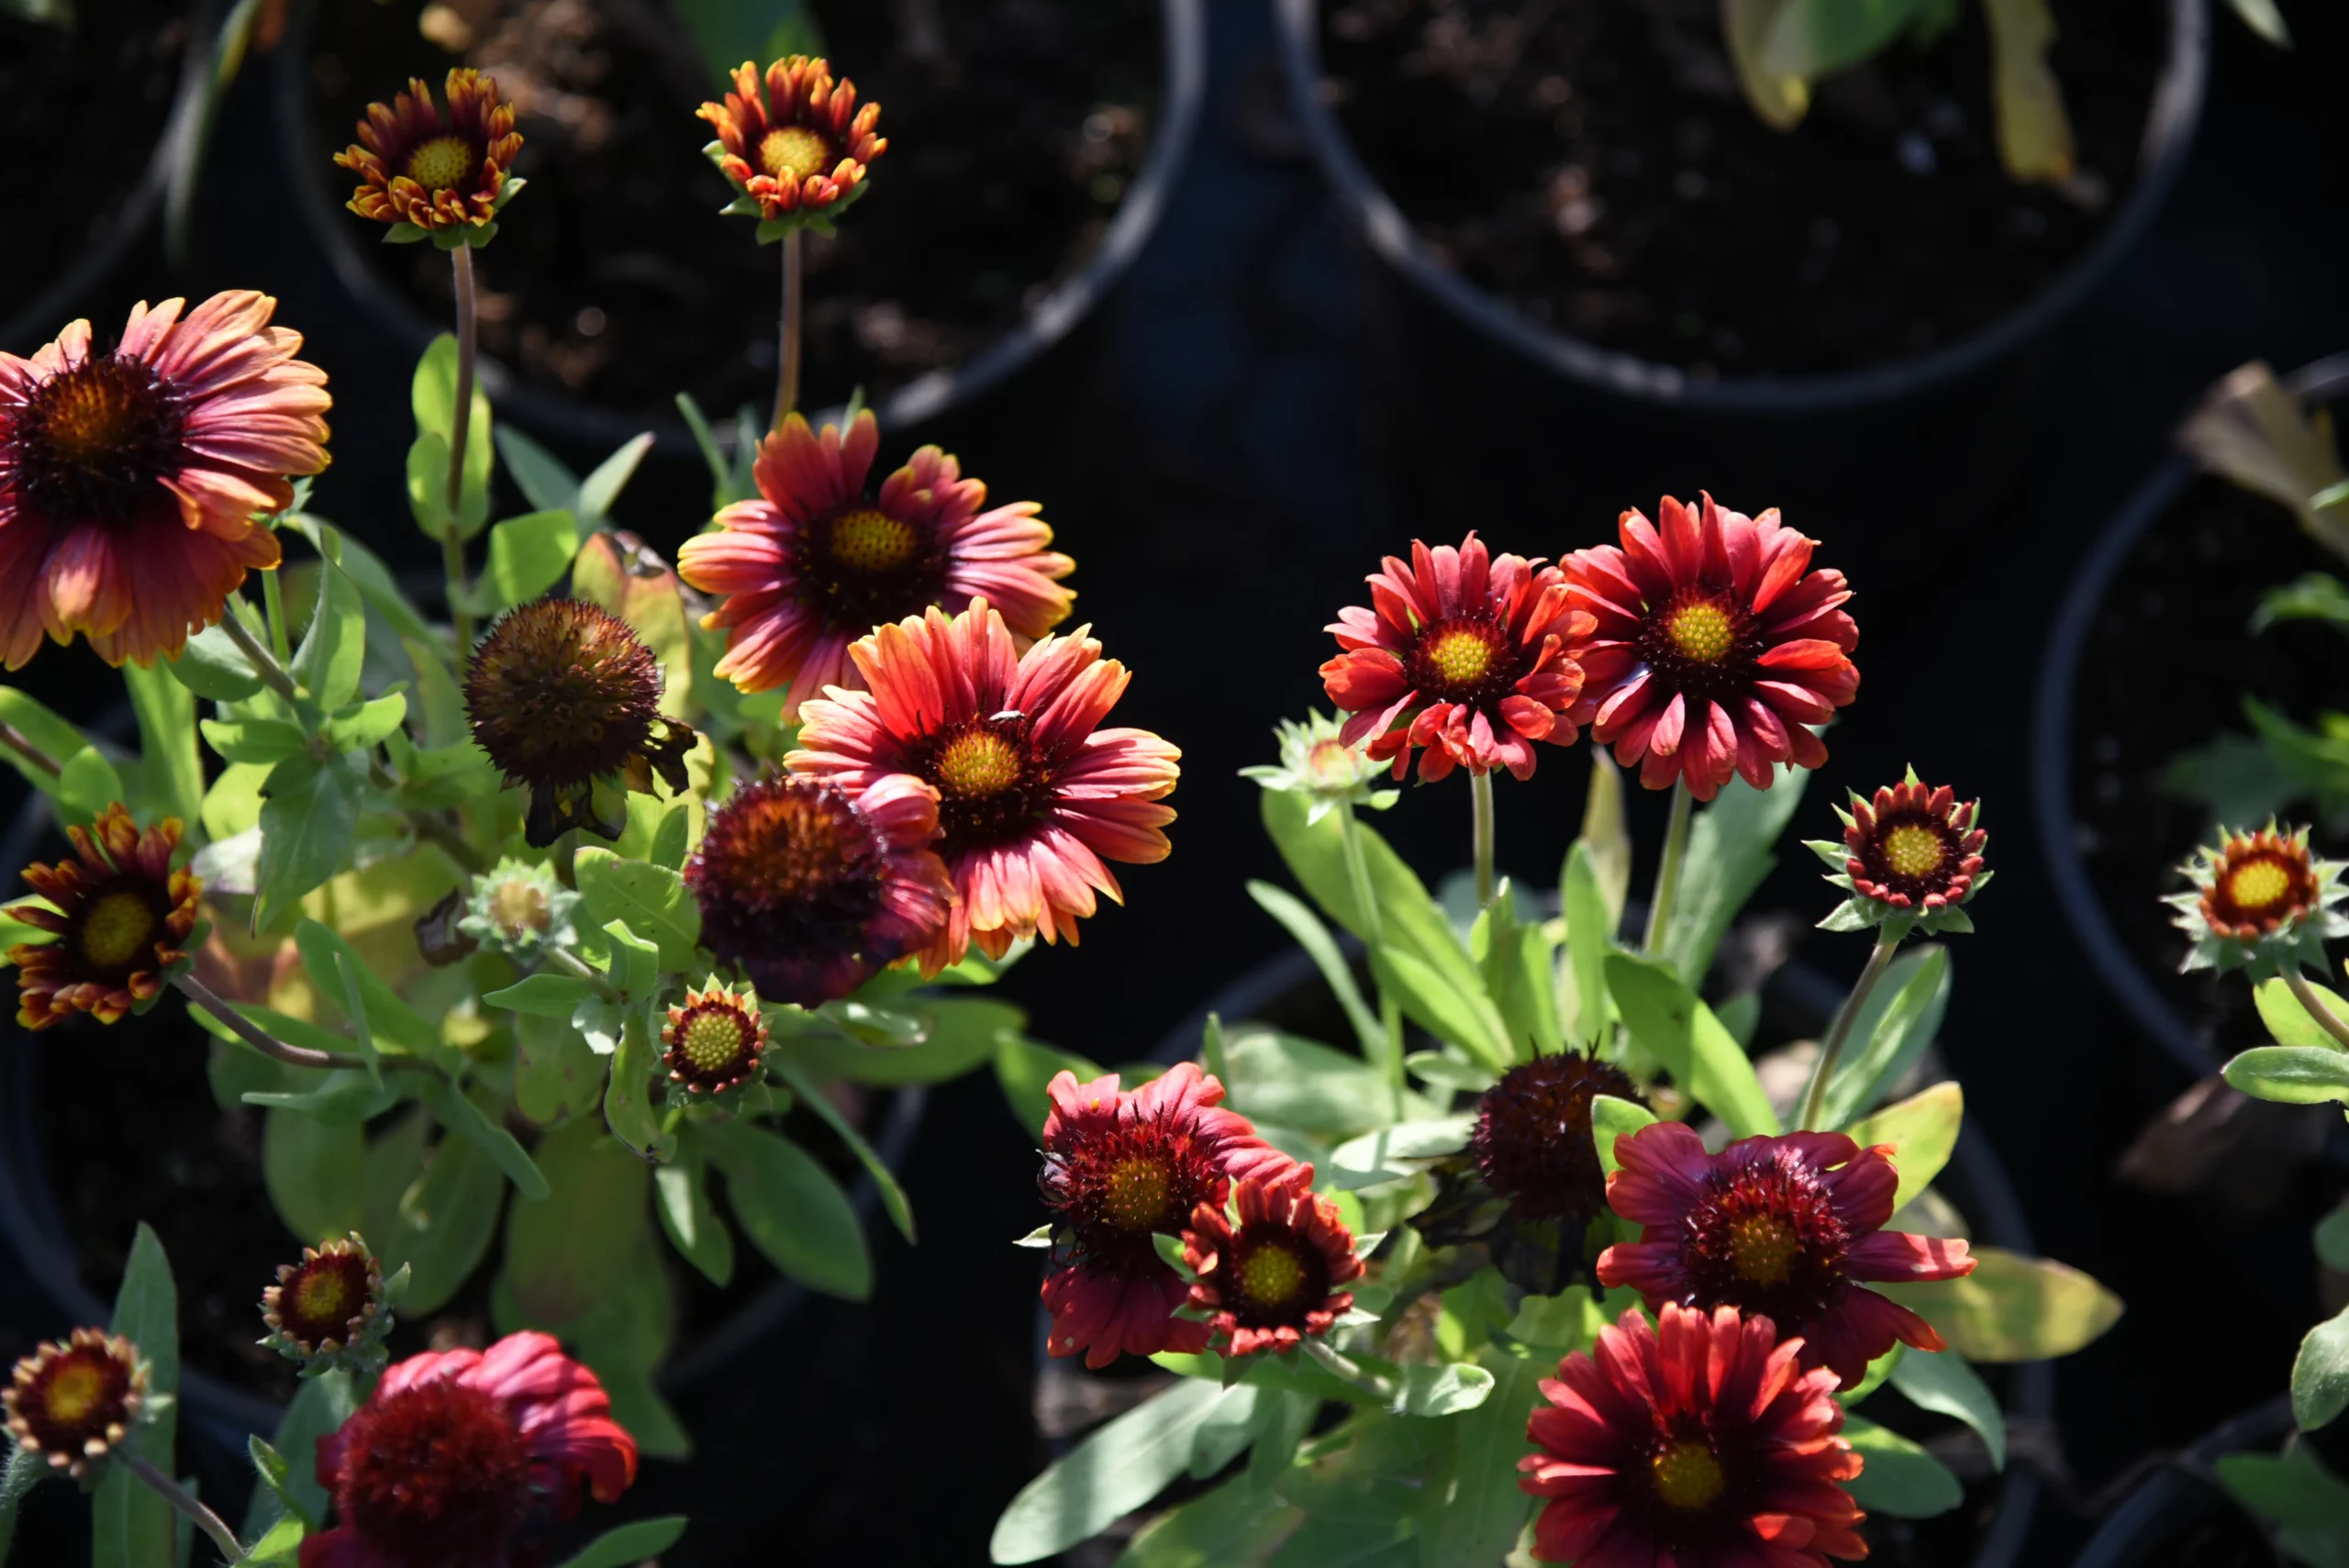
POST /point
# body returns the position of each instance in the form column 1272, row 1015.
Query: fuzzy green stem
column 2314, row 1005
column 272, row 597
column 266, row 664
column 1667, row 872
column 1831, row 1049
column 18, row 741
column 179, row 1498
column 1480, row 796
column 452, row 541
column 786, row 375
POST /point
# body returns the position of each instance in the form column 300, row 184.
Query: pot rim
column 2154, row 1502
column 1374, row 217
column 1182, row 88
column 2052, row 726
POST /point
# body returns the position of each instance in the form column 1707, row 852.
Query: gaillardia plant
column 792, row 143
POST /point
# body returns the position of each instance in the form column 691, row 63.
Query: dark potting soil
column 1014, row 127
column 1595, row 166
column 2166, row 666
column 94, row 97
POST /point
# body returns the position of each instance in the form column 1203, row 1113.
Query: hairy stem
column 266, row 664
column 17, row 741
column 1667, row 872
column 786, row 383
column 179, row 1498
column 453, row 542
column 2314, row 1005
column 1814, row 1098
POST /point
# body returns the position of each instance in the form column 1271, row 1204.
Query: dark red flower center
column 561, row 693
column 1765, row 1239
column 1532, row 1141
column 714, row 1046
column 788, row 876
column 993, row 787
column 1276, row 1277
column 435, row 1475
column 1913, row 852
column 792, row 153
column 861, row 567
column 323, row 1297
column 1465, row 659
column 91, row 440
column 1701, row 641
column 1113, row 1188
column 2260, row 887
column 74, row 1395
column 114, row 933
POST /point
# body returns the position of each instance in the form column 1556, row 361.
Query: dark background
column 1227, row 447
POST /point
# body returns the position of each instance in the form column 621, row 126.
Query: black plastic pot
column 571, row 423
column 1883, row 460
column 222, row 1414
column 2052, row 726
column 2184, row 1494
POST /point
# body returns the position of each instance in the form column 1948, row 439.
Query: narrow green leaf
column 1942, row 1381
column 1410, row 920
column 213, row 666
column 2321, row 1374
column 893, row 1196
column 55, row 738
column 1237, row 1522
column 1899, row 1022
column 320, row 1406
column 24, row 1470
column 792, row 1209
column 1461, row 1015
column 631, row 1544
column 1294, row 1082
column 681, row 1197
column 171, row 773
column 575, row 1248
column 442, row 1224
column 1731, row 851
column 1611, row 1118
column 312, row 1168
column 309, row 816
column 1310, row 934
column 528, row 554
column 327, row 663
column 1922, row 1130
column 1110, row 1474
column 2331, row 1240
column 545, row 481
column 433, row 396
column 1900, row 1478
column 2291, row 1074
column 628, row 1106
column 1372, row 1158
column 88, row 785
column 456, row 1111
column 1667, row 1017
column 2298, row 1491
column 600, row 491
column 1444, row 1390
column 957, row 1035
column 545, row 995
column 1479, row 1521
column 2289, row 1021
column 131, row 1525
column 326, row 953
column 1589, row 928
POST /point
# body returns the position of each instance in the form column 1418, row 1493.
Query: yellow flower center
column 979, row 763
column 441, row 164
column 519, row 908
column 1331, row 765
column 868, row 539
column 1461, row 657
column 321, row 1296
column 117, row 927
column 2258, row 883
column 713, row 1040
column 1702, row 632
column 1136, row 1197
column 1913, row 850
column 791, row 153
column 1687, row 1477
column 1272, row 1275
column 73, row 1393
column 1762, row 1249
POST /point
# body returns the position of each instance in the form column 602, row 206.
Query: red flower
column 1697, row 1443
column 794, row 142
column 116, row 914
column 456, row 1454
column 814, row 565
column 1119, row 1168
column 1777, row 1227
column 1463, row 654
column 1914, row 848
column 1272, row 1279
column 131, row 482
column 1032, row 796
column 415, row 167
column 1714, row 647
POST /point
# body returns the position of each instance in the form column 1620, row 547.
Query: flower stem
column 1480, row 796
column 1814, row 1098
column 1667, row 872
column 178, row 1497
column 273, row 672
column 572, row 965
column 273, row 597
column 203, row 996
column 453, row 542
column 18, row 741
column 2327, row 1019
column 786, row 383
column 1390, row 1013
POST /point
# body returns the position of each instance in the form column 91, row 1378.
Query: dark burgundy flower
column 1271, row 1277
column 1532, row 1141
column 73, row 1403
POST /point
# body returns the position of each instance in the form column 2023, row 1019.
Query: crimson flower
column 1271, row 1278
column 1913, row 854
column 1032, row 796
column 792, row 139
column 1119, row 1167
column 132, row 483
column 1463, row 653
column 451, row 174
column 1781, row 1227
column 1699, row 1444
column 1715, row 646
column 456, row 1456
column 814, row 564
column 115, row 914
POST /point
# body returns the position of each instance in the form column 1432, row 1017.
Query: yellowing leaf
column 2013, row 1308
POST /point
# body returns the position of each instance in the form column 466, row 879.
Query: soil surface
column 2166, row 664
column 1594, row 165
column 1014, row 128
column 111, row 80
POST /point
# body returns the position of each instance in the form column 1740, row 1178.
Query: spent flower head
column 73, row 1402
column 2260, row 902
column 118, row 918
column 521, row 910
column 435, row 177
column 1318, row 764
column 1911, row 859
column 792, row 144
column 332, row 1310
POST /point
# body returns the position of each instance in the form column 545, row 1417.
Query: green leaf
column 1440, row 1070
column 309, row 816
column 1900, row 1478
column 275, row 1475
column 1666, row 1018
column 1372, row 1158
column 631, row 1543
column 213, row 666
column 2331, row 1240
column 1519, row 960
column 1459, row 1016
column 1110, row 1474
column 326, row 954
column 1611, row 1118
column 893, row 1196
column 2012, row 1308
column 557, row 1074
column 24, row 1470
column 313, row 1169
column 1310, row 934
column 129, row 1525
column 652, row 900
column 433, row 396
column 361, row 726
column 1922, row 1130
column 456, row 1111
column 792, row 1209
column 727, row 32
column 600, row 491
column 171, row 773
column 528, row 554
column 1409, row 921
column 1444, row 1390
column 1900, row 1020
column 1023, row 1068
column 681, row 1197
column 1238, row 1522
column 1942, row 1381
column 55, row 738
column 2292, row 1074
column 2321, row 1374
column 1479, row 1521
column 1879, row 1372
column 320, row 1406
column 1589, row 928
column 279, row 1546
column 442, row 1224
column 334, row 645
column 1294, row 1082
column 2289, row 1021
column 545, row 995
column 254, row 741
column 88, row 785
column 545, row 481
column 958, row 1034
column 628, row 1108
column 1729, row 852
column 575, row 1245
column 2297, row 1491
